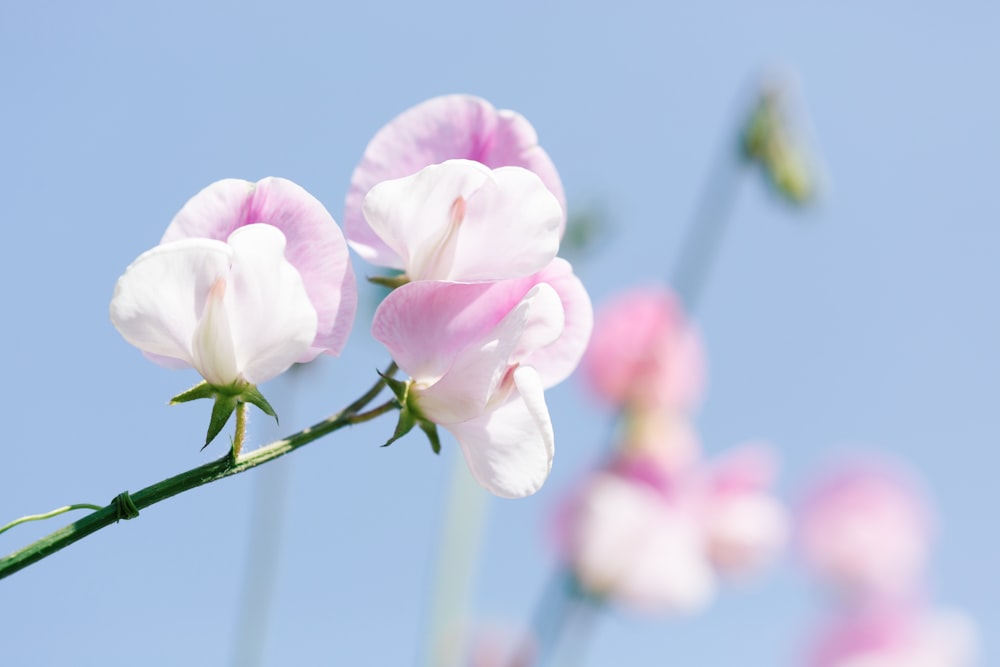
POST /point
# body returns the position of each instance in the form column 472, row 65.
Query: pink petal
column 315, row 245
column 442, row 128
column 509, row 450
column 478, row 378
column 459, row 220
column 557, row 360
column 425, row 325
column 161, row 296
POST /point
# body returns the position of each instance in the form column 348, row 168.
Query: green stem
column 363, row 417
column 241, row 430
column 49, row 515
column 126, row 506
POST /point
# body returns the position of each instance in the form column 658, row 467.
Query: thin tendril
column 49, row 515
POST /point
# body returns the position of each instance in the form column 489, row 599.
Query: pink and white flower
column 236, row 311
column 480, row 356
column 746, row 526
column 440, row 129
column 315, row 245
column 656, row 537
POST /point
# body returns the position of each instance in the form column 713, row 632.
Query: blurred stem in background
column 268, row 510
column 564, row 627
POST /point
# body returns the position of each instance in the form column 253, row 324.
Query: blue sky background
column 869, row 321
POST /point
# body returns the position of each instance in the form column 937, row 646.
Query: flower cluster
column 461, row 199
column 865, row 532
column 657, row 525
column 250, row 278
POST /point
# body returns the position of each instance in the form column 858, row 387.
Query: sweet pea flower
column 460, row 220
column 631, row 534
column 315, row 245
column 866, row 529
column 645, row 353
column 248, row 279
column 653, row 535
column 480, row 355
column 236, row 311
column 897, row 637
column 746, row 527
column 443, row 128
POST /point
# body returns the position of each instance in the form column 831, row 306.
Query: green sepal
column 407, row 420
column 400, row 388
column 253, row 396
column 200, row 390
column 221, row 412
column 226, row 401
column 431, row 431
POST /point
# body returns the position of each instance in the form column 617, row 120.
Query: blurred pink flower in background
column 655, row 539
column 440, row 129
column 644, row 352
column 865, row 530
column 746, row 526
column 897, row 637
column 657, row 526
column 631, row 535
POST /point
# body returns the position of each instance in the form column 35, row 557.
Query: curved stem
column 49, row 515
column 227, row 466
column 362, row 417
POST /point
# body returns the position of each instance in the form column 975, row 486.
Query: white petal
column 415, row 215
column 273, row 321
column 509, row 450
column 511, row 229
column 544, row 323
column 459, row 220
column 212, row 343
column 161, row 296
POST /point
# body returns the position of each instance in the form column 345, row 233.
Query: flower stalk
column 233, row 463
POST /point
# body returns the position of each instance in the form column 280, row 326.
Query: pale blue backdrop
column 871, row 320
